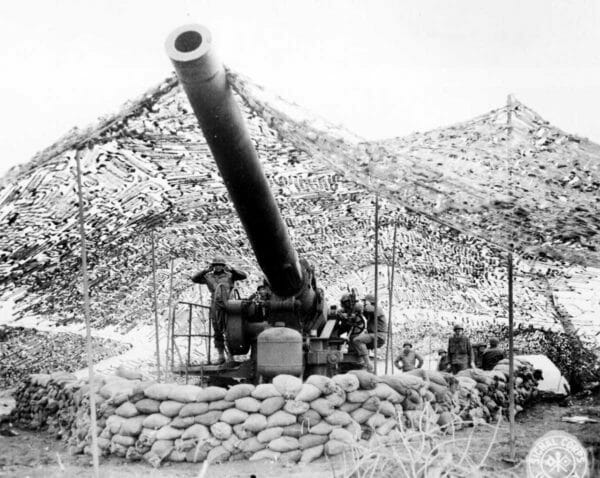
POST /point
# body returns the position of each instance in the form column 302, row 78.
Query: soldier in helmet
column 220, row 279
column 460, row 352
column 361, row 341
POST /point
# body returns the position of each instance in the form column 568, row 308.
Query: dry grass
column 426, row 451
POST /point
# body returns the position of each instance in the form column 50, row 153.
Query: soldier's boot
column 367, row 365
column 221, row 356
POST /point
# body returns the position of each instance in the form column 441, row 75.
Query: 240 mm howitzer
column 293, row 331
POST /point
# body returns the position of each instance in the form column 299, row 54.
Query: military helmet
column 458, row 327
column 370, row 298
column 218, row 261
column 346, row 298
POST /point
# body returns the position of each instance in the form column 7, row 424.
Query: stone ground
column 38, row 455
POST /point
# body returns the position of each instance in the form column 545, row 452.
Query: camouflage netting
column 457, row 199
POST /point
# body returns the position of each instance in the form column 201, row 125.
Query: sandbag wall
column 287, row 420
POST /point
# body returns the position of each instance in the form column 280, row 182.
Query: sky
column 379, row 68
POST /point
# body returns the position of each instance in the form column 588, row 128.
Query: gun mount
column 292, row 331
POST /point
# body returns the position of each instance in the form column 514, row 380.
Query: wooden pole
column 169, row 318
column 389, row 350
column 88, row 332
column 511, row 358
column 376, row 278
column 156, row 329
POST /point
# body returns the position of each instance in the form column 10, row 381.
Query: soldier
column 492, row 355
column 443, row 365
column 351, row 316
column 219, row 278
column 409, row 359
column 361, row 341
column 460, row 353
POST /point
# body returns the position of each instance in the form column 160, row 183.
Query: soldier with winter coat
column 460, row 352
column 220, row 279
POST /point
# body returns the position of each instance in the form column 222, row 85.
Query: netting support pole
column 156, row 328
column 88, row 332
column 376, row 280
column 511, row 358
column 169, row 319
column 389, row 350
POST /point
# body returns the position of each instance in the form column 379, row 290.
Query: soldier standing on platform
column 220, row 279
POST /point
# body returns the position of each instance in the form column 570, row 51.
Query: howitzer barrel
column 204, row 81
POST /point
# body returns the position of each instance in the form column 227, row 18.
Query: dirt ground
column 38, row 455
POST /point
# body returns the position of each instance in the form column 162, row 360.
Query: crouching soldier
column 361, row 341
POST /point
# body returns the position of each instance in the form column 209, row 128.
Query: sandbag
column 322, row 406
column 162, row 448
column 170, row 408
column 386, row 427
column 218, row 455
column 432, row 376
column 372, row 404
column 387, row 409
column 296, row 407
column 280, row 419
column 292, row 456
column 265, row 455
column 184, row 393
column 193, row 409
column 126, row 441
column 147, row 406
column 248, row 404
column 113, row 423
column 322, row 428
column 308, row 393
column 384, row 392
column 221, row 430
column 182, row 422
column 116, row 388
column 128, row 373
column 403, row 383
column 338, row 418
column 342, row 435
column 231, row 444
column 255, row 423
column 152, row 459
column 176, row 456
column 220, row 405
column 159, row 391
column 103, row 443
column 347, row 382
column 349, row 407
column 376, row 420
column 334, row 447
column 265, row 390
column 269, row 434
column 323, row 383
column 312, row 440
column 238, row 391
column 337, row 398
column 360, row 415
column 311, row 454
column 288, row 385
column 168, row 433
column 240, row 432
column 354, row 429
column 252, row 445
column 118, row 449
column 208, row 418
column 283, row 444
column 233, row 416
column 296, row 430
column 310, row 418
column 126, row 410
column 367, row 380
column 146, row 438
column 359, row 396
column 197, row 431
column 197, row 454
column 271, row 405
column 211, row 394
column 156, row 421
column 132, row 426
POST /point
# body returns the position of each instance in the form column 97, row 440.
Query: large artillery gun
column 293, row 331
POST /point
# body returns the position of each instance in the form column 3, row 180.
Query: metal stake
column 376, row 278
column 389, row 349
